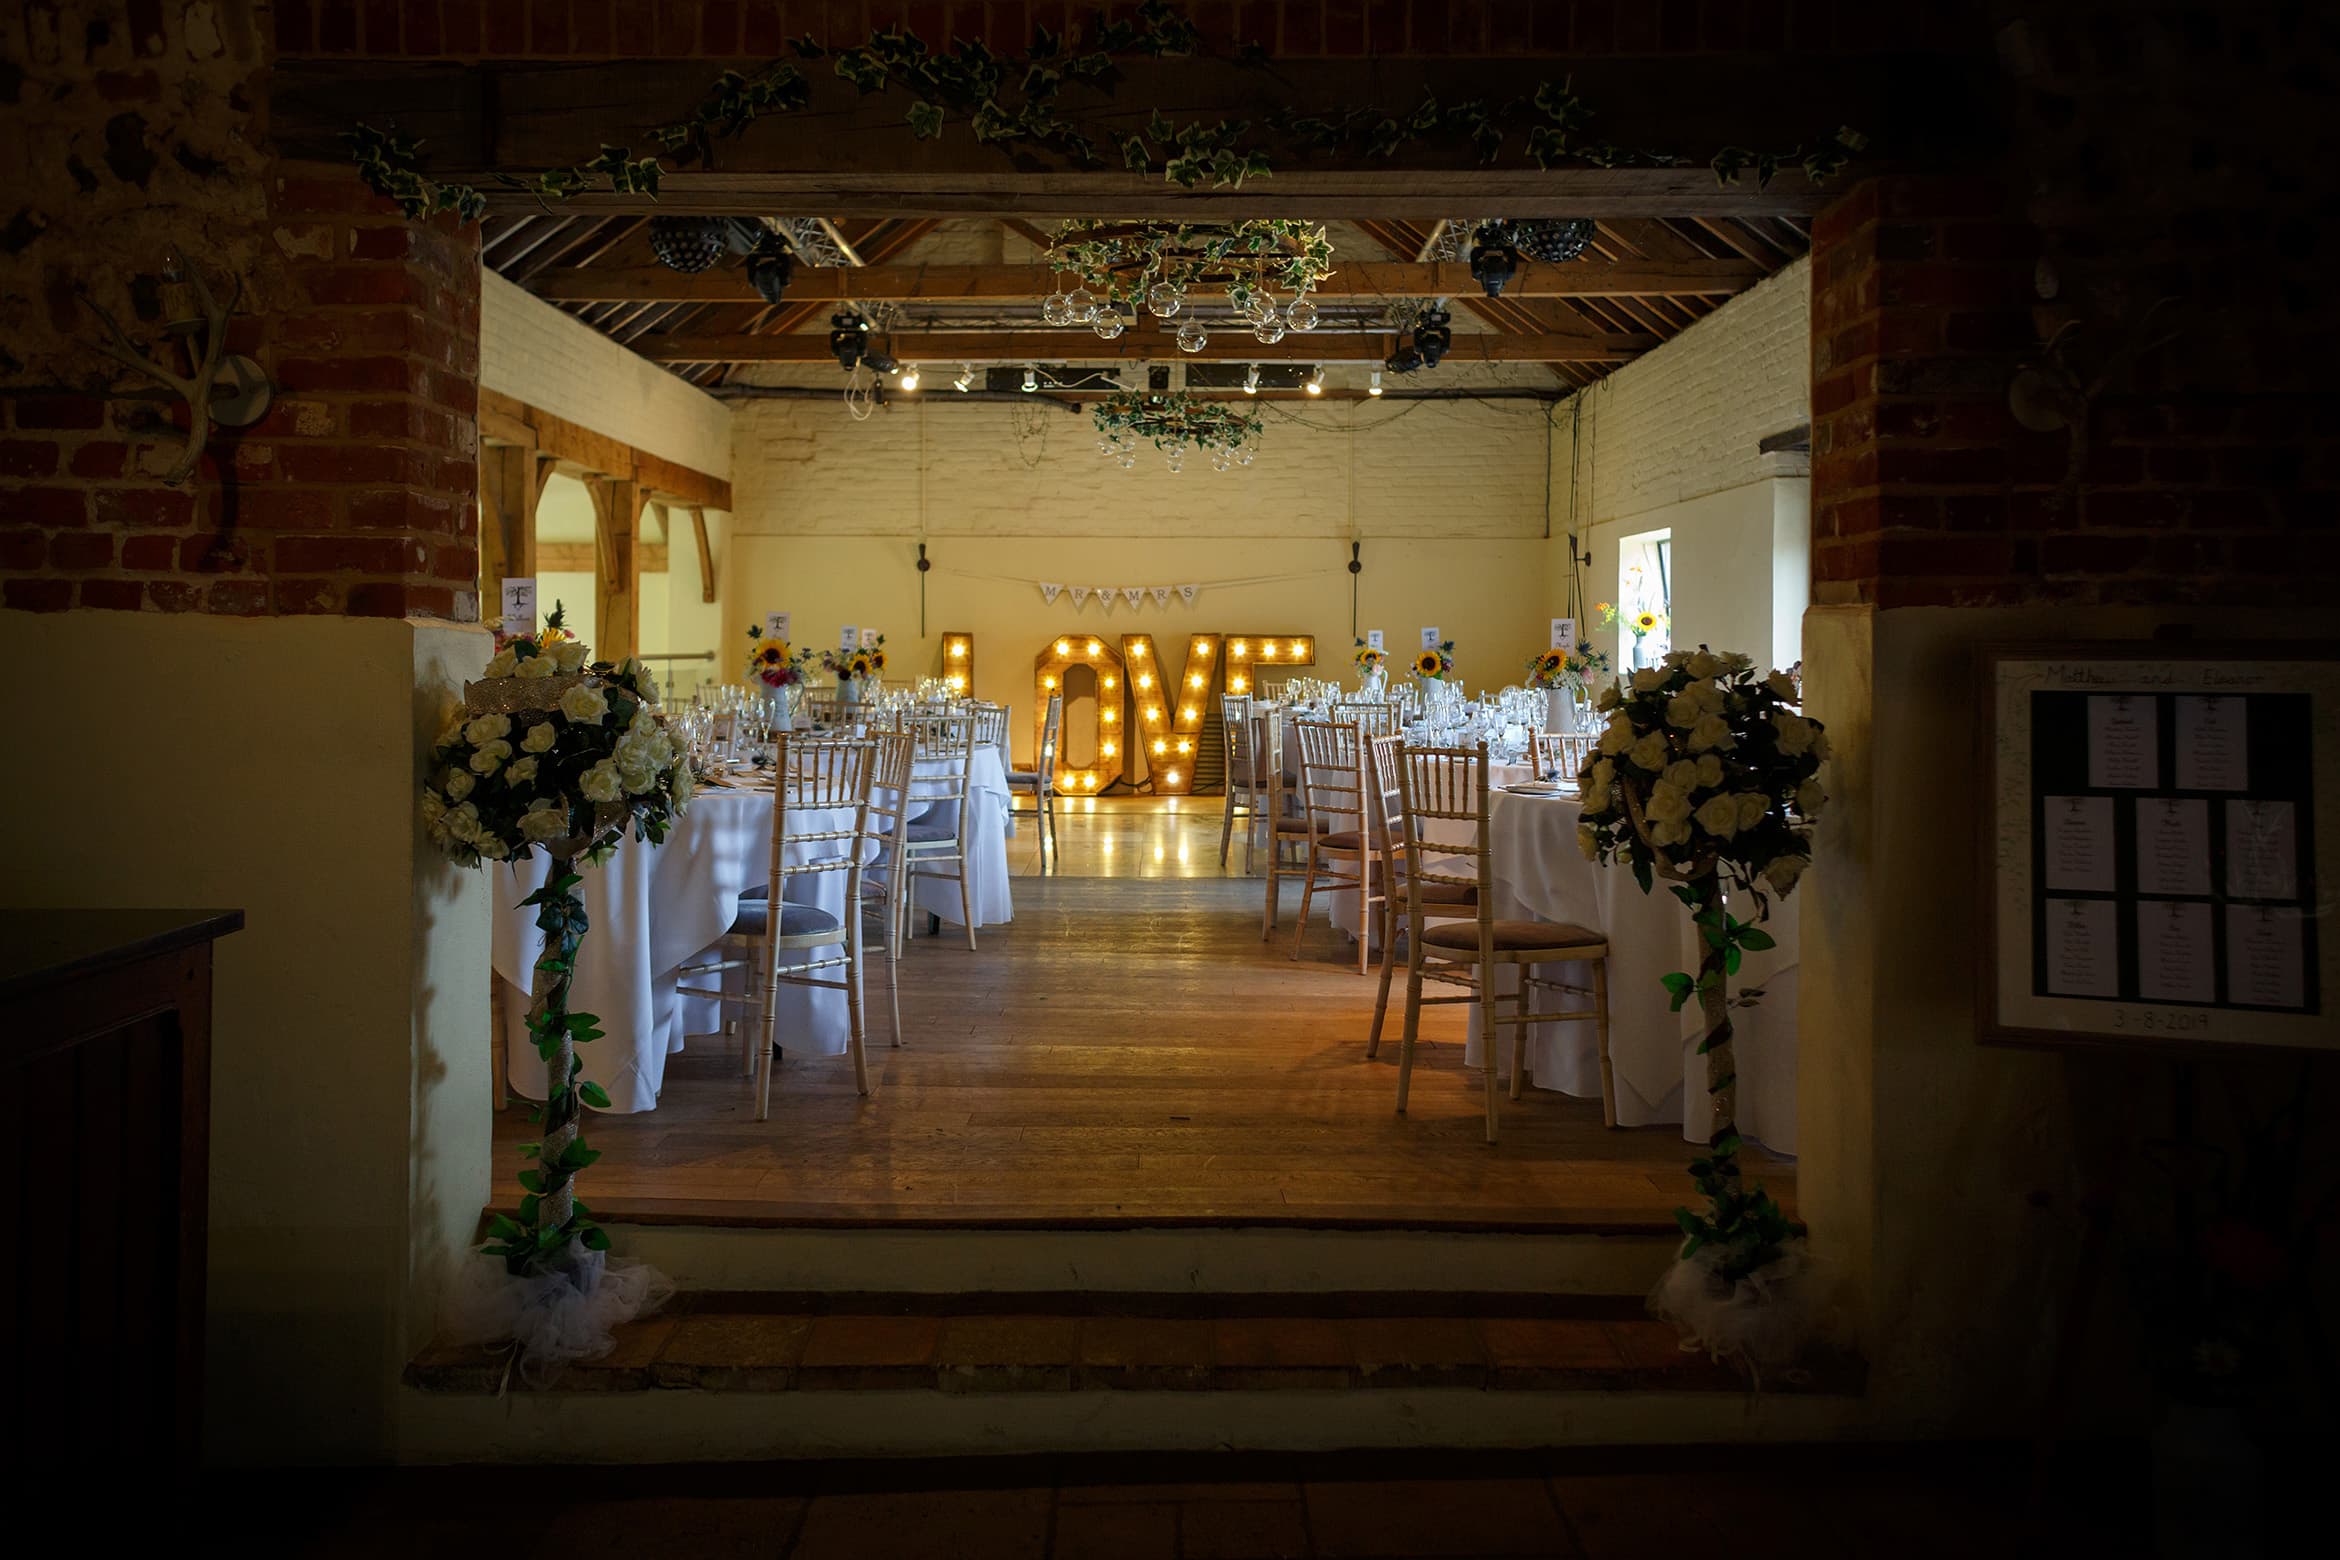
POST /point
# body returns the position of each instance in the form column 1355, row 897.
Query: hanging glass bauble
column 1192, row 337
column 1082, row 304
column 1301, row 315
column 1056, row 311
column 1243, row 454
column 1268, row 332
column 1178, row 458
column 1263, row 305
column 1109, row 325
column 1163, row 299
column 1221, row 460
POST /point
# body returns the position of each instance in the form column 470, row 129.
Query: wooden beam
column 617, row 567
column 706, row 553
column 977, row 283
column 556, row 439
column 579, row 558
column 1068, row 346
column 847, row 153
column 508, row 491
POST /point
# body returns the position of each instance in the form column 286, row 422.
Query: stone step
column 1089, row 1343
column 708, row 1254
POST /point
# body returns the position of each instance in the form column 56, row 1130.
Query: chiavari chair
column 823, row 709
column 883, row 891
column 991, row 726
column 933, row 848
column 783, row 941
column 1374, row 717
column 1254, row 776
column 1342, row 851
column 1439, row 901
column 1449, row 785
column 1040, row 780
column 1561, row 755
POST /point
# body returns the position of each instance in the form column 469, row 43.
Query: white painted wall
column 1669, row 442
column 1447, row 500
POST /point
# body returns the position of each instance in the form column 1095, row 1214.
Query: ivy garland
column 1175, row 419
column 1123, row 261
column 1012, row 100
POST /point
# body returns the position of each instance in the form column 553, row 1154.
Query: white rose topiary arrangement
column 556, row 753
column 1706, row 775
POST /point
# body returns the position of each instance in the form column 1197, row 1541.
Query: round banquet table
column 652, row 909
column 1541, row 874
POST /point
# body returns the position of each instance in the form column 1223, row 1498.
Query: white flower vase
column 848, row 690
column 782, row 705
column 1560, row 710
column 1373, row 684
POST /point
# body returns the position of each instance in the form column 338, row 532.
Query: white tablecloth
column 1540, row 874
column 652, row 909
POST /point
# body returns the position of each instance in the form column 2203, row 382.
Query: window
column 1645, row 599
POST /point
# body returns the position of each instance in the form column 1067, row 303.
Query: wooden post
column 511, row 481
column 706, row 554
column 617, row 567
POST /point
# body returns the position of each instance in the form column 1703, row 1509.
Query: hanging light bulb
column 1163, row 299
column 1251, row 380
column 909, row 379
column 1373, row 387
column 1192, row 337
column 1315, row 384
column 1301, row 315
column 1031, row 379
column 966, row 378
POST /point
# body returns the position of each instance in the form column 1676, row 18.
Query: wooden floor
column 1129, row 1052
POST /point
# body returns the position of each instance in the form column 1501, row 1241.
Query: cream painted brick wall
column 1420, row 469
column 1684, row 421
column 535, row 352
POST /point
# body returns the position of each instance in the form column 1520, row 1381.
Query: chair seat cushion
column 755, row 919
column 1022, row 777
column 1442, row 893
column 1292, row 826
column 1512, row 936
column 931, row 833
column 1342, row 839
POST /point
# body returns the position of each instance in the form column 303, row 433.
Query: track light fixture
column 1373, row 386
column 966, row 378
column 910, row 377
column 1315, row 384
column 1031, row 379
column 1251, row 380
column 848, row 338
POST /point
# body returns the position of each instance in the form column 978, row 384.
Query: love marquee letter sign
column 1143, row 700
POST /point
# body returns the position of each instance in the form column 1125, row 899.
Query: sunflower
column 1429, row 664
column 771, row 655
column 1643, row 622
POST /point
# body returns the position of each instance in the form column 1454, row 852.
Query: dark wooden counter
column 105, row 1106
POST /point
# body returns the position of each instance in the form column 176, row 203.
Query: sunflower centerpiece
column 1372, row 669
column 1566, row 675
column 777, row 669
column 856, row 670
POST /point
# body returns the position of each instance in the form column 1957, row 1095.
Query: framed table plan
column 2155, row 876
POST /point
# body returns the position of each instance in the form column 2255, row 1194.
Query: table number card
column 519, row 606
column 2151, row 853
column 1373, row 640
column 1564, row 633
column 776, row 626
column 870, row 638
column 1430, row 639
column 848, row 638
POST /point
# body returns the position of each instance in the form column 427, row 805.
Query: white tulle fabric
column 1767, row 1319
column 551, row 1318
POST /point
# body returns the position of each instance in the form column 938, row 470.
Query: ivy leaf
column 807, row 48
column 862, row 68
column 1678, row 985
column 1133, row 155
column 1045, row 44
column 926, row 121
column 594, row 1095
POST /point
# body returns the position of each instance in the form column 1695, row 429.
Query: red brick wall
column 1290, row 28
column 356, row 493
column 2142, row 213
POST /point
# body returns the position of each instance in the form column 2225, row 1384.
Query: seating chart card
column 2152, row 846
